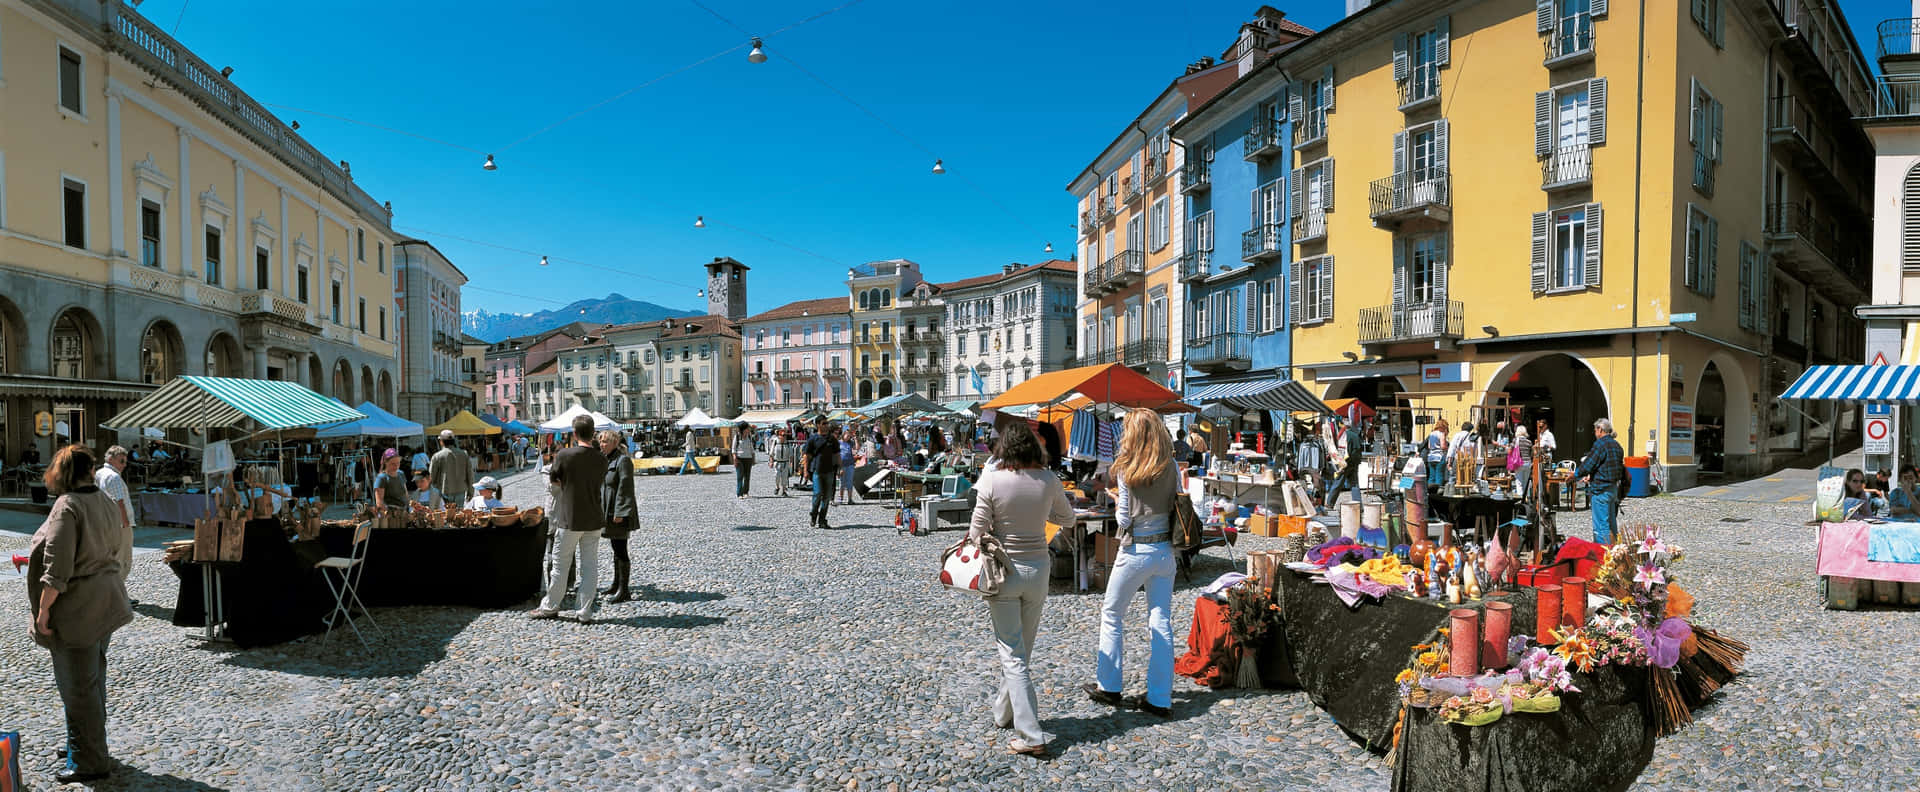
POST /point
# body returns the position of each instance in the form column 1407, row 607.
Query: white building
column 427, row 294
column 1007, row 327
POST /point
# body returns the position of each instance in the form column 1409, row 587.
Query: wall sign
column 1679, row 431
column 1443, row 372
column 43, row 423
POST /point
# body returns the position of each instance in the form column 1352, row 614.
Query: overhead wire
column 371, row 125
column 548, row 256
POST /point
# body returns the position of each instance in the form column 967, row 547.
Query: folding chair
column 345, row 588
column 1211, row 534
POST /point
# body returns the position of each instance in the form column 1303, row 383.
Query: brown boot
column 620, row 593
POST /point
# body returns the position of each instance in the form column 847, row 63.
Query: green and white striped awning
column 194, row 402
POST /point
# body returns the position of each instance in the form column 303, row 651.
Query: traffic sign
column 1682, row 317
column 1879, row 359
column 1878, row 434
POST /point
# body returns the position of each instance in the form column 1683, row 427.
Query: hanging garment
column 1083, row 439
column 1109, row 440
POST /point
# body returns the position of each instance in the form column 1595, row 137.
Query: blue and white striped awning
column 1271, row 394
column 1858, row 384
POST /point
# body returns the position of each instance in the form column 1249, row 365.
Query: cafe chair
column 343, row 579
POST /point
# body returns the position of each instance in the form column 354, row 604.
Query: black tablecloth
column 478, row 567
column 271, row 597
column 1464, row 511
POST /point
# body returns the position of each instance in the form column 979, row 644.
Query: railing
column 1156, row 169
column 1129, row 189
column 1565, row 167
column 1144, row 352
column 836, row 372
column 1087, row 223
column 268, row 302
column 1312, row 128
column 1261, row 242
column 217, row 298
column 1196, row 265
column 1388, row 323
column 154, row 50
column 1093, row 282
column 1786, row 115
column 1899, row 37
column 1310, row 225
column 1123, row 267
column 1262, row 140
column 1221, row 350
column 148, row 280
column 1896, row 97
column 1195, row 177
column 796, row 374
column 757, row 376
column 1409, row 190
column 1789, row 219
column 876, row 371
column 682, row 384
column 921, row 370
column 1571, row 38
column 1107, row 209
column 1422, row 84
column 1097, row 357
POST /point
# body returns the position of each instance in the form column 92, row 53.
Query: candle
column 1573, row 602
column 1493, row 634
column 1546, row 613
column 1463, row 642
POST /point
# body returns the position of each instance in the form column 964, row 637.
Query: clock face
column 717, row 285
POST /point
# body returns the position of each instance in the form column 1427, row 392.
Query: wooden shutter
column 1710, row 267
column 1596, row 8
column 1443, row 253
column 1597, row 110
column 1542, row 123
column 1257, row 218
column 1440, row 145
column 1326, row 288
column 1762, row 284
column 1296, row 103
column 1746, row 288
column 1910, row 223
column 1443, row 41
column 1720, row 23
column 1696, row 123
column 1400, row 273
column 1543, row 15
column 1700, row 13
column 1542, row 226
column 1294, row 314
column 1298, row 195
column 1253, row 306
column 1592, row 251
column 1326, row 96
column 1399, row 153
column 1326, row 184
column 1400, row 57
column 1719, row 110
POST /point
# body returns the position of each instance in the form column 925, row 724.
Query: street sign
column 1682, row 317
column 1878, row 435
column 1679, row 431
column 1879, row 409
column 1879, row 359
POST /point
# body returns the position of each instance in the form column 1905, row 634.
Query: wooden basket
column 505, row 516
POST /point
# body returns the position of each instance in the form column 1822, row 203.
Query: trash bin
column 1639, row 483
column 37, row 492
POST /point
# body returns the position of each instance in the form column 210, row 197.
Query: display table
column 1467, row 512
column 270, row 597
column 1234, row 490
column 178, row 508
column 475, row 567
column 1346, row 660
column 1843, row 552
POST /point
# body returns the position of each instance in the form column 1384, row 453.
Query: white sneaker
column 581, row 616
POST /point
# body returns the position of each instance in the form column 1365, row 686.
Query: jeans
column 588, row 544
column 689, row 463
column 1344, row 481
column 846, row 479
column 1136, row 566
column 1522, row 478
column 782, row 471
column 1605, row 507
column 822, row 491
column 81, row 676
column 742, row 475
column 1016, row 622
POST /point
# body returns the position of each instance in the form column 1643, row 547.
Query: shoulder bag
column 977, row 567
column 1182, row 520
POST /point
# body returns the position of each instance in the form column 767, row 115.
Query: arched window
column 1910, row 223
column 70, row 350
column 886, row 297
column 863, row 301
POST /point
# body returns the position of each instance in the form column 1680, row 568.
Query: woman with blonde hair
column 1144, row 469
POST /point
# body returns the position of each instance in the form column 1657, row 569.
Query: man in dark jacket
column 1605, row 473
column 617, row 503
column 823, row 466
column 577, row 519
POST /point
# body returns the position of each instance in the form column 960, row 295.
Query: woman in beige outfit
column 1015, row 503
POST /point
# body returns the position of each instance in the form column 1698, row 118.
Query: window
column 1419, row 270
column 262, row 268
column 1417, row 58
column 1753, row 289
column 74, row 205
column 704, row 373
column 1419, row 161
column 362, row 315
column 1703, row 131
column 150, row 234
column 1567, row 122
column 71, row 89
column 335, row 313
column 380, row 255
column 961, row 342
column 600, row 381
column 1566, row 249
column 1160, row 231
column 1703, row 251
column 1308, row 103
column 360, row 244
column 566, row 364
column 1312, row 199
column 1269, row 312
column 1310, row 291
column 383, row 324
column 213, row 256
column 1568, row 25
column 1200, row 234
column 302, row 275
column 1709, row 16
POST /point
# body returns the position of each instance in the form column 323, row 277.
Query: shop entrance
column 1710, row 421
column 1562, row 391
column 1375, row 392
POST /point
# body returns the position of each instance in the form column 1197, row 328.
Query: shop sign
column 1431, row 373
column 43, row 423
column 1679, row 431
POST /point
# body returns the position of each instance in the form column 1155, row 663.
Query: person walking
column 617, row 506
column 1522, row 475
column 108, row 478
column 451, row 469
column 1148, row 480
column 687, row 462
column 845, row 438
column 577, row 520
column 823, row 466
column 74, row 564
column 1014, row 504
column 743, row 453
column 1349, row 477
column 780, row 458
column 1605, row 474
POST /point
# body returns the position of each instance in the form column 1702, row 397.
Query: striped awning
column 1858, row 384
column 193, row 402
column 1273, row 394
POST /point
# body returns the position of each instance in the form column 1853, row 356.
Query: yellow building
column 1587, row 213
column 157, row 221
column 881, row 298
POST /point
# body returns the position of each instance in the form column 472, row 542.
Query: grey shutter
column 1542, row 123
column 1696, row 121
column 1399, row 273
column 1542, row 224
column 1720, row 23
column 1326, row 185
column 1293, row 293
column 1443, row 253
column 1543, row 15
column 1746, row 289
column 1399, row 152
column 1326, row 96
column 1710, row 269
column 1719, row 110
column 1253, row 306
column 1700, row 13
column 1596, row 8
column 1440, row 145
column 1400, row 44
column 1255, row 204
column 1297, row 195
column 1443, row 41
column 1593, row 246
column 1296, row 103
column 1326, row 288
column 1762, row 282
column 1597, row 110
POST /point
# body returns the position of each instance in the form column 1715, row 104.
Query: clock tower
column 727, row 288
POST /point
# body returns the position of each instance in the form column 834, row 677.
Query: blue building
column 1244, row 210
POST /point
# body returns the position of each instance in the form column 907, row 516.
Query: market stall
column 464, row 424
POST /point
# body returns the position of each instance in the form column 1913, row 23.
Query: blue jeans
column 1605, row 506
column 822, row 490
column 1136, row 566
column 689, row 463
column 81, row 677
column 1344, row 481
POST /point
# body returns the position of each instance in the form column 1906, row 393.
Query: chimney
column 1206, row 62
column 1009, row 269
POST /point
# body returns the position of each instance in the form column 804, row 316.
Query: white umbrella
column 695, row 418
column 563, row 422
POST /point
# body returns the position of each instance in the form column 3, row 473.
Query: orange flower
column 1575, row 648
column 1679, row 602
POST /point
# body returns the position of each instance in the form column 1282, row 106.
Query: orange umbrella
column 1110, row 383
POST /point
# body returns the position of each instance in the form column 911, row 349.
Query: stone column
column 260, row 362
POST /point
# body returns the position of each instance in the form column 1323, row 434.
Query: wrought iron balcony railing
column 1310, row 225
column 1409, row 192
column 1195, row 177
column 1571, row 40
column 796, row 374
column 1260, row 243
column 1421, row 86
column 1220, row 351
column 1156, row 169
column 1899, row 37
column 1570, row 166
column 1412, row 322
column 1196, row 265
column 1263, row 140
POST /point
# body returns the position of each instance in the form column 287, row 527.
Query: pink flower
column 1650, row 575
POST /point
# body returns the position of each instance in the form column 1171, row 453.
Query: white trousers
column 564, row 544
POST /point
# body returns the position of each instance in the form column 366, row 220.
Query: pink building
column 797, row 356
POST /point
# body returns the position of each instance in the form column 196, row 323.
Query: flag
column 979, row 384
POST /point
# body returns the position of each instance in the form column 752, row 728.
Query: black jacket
column 616, row 495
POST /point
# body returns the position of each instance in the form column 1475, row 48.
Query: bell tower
column 727, row 288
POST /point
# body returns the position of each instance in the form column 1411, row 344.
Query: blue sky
column 1015, row 96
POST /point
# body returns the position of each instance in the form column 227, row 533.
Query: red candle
column 1546, row 613
column 1463, row 642
column 1493, row 634
column 1573, row 602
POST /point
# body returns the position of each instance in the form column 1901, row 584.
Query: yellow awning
column 1910, row 354
column 464, row 423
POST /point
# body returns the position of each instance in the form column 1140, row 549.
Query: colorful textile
column 1894, row 543
column 1212, row 658
column 1843, row 553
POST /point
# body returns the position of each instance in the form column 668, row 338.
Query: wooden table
column 1081, row 517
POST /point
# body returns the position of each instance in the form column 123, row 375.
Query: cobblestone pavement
column 762, row 654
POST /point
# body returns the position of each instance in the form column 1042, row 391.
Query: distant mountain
column 611, row 309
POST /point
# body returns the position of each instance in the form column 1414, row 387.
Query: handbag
column 1514, row 460
column 977, row 567
column 1183, row 521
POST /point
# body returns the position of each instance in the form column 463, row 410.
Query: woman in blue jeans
column 1148, row 482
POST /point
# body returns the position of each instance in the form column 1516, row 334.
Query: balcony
column 1411, row 196
column 1107, row 208
column 1130, row 189
column 633, row 387
column 683, row 384
column 1421, row 87
column 836, row 373
column 1263, row 140
column 1261, row 243
column 1195, row 177
column 1570, row 41
column 583, row 391
column 269, row 303
column 1791, row 131
column 1311, row 129
column 1393, row 324
column 633, row 368
column 757, row 377
column 793, row 375
column 1221, row 352
column 1144, row 352
column 1310, row 226
column 1899, row 37
column 1196, row 265
column 1097, row 357
column 1088, row 225
column 1122, row 269
column 921, row 370
column 1156, row 170
column 1812, row 249
column 1571, row 166
column 876, row 372
column 1092, row 281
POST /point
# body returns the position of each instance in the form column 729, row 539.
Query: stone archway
column 75, row 346
column 13, row 338
column 866, row 391
column 385, row 398
column 162, row 353
column 885, row 390
column 316, row 377
column 367, row 392
column 223, row 357
column 1561, row 388
column 342, row 386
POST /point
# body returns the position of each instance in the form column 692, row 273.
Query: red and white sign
column 1877, row 431
column 1879, row 359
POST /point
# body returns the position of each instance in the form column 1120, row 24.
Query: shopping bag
column 975, row 567
column 10, row 763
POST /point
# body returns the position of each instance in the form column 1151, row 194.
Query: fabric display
column 1082, row 445
column 1107, row 440
column 217, row 458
